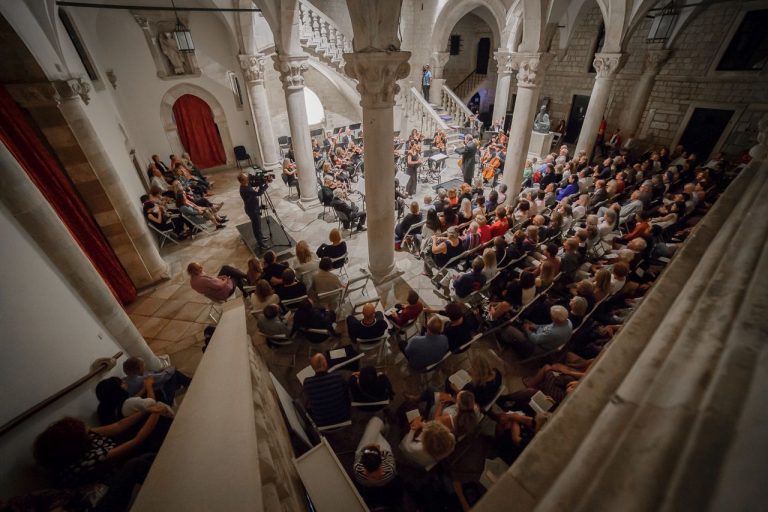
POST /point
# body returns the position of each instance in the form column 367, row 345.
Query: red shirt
column 408, row 313
column 499, row 227
column 215, row 288
column 485, row 233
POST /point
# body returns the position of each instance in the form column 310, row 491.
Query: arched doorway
column 168, row 117
column 198, row 131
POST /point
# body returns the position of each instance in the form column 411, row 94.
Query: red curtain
column 198, row 132
column 26, row 144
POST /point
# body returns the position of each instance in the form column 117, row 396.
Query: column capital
column 376, row 74
column 608, row 64
column 654, row 59
column 505, row 61
column 71, row 89
column 142, row 21
column 291, row 69
column 530, row 68
column 253, row 67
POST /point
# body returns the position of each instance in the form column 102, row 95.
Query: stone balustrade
column 453, row 105
column 322, row 37
column 421, row 115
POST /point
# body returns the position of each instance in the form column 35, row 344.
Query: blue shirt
column 423, row 351
column 426, row 79
column 551, row 336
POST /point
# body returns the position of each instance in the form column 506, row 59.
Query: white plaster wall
column 139, row 92
column 50, row 338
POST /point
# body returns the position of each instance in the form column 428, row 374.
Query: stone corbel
column 253, row 68
column 70, row 89
column 654, row 59
column 608, row 64
column 291, row 69
column 377, row 74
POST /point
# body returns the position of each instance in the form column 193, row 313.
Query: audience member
column 327, row 394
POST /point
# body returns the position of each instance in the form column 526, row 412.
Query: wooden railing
column 97, row 368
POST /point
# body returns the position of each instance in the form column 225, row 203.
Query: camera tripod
column 267, row 204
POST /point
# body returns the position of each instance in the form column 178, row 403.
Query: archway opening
column 315, row 109
column 198, row 131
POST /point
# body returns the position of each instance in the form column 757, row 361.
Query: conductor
column 468, row 158
column 252, row 204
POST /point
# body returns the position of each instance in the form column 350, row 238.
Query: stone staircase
column 322, row 38
column 451, row 115
column 467, row 87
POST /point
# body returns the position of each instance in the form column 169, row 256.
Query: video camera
column 259, row 178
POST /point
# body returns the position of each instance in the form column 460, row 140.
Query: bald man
column 371, row 326
column 326, row 394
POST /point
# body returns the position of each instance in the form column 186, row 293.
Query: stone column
column 505, row 66
column 607, row 65
column 253, row 68
column 31, row 210
column 654, row 59
column 71, row 97
column 439, row 60
column 292, row 68
column 376, row 73
column 530, row 71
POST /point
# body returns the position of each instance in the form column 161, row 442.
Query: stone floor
column 172, row 317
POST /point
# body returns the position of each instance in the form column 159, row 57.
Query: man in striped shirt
column 374, row 462
column 327, row 394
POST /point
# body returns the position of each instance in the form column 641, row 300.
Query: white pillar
column 253, row 69
column 26, row 204
column 376, row 73
column 70, row 96
column 654, row 59
column 530, row 71
column 439, row 60
column 505, row 66
column 607, row 65
column 292, row 68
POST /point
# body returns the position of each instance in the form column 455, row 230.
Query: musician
column 492, row 166
column 468, row 153
column 291, row 174
column 412, row 168
column 252, row 203
column 317, row 151
column 351, row 209
column 326, row 191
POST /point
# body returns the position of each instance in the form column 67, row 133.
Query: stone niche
column 158, row 28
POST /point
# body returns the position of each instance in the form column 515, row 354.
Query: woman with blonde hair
column 465, row 211
column 305, row 264
column 255, row 271
column 602, row 283
column 486, row 380
column 427, row 443
column 489, row 259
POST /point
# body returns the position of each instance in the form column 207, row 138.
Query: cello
column 490, row 170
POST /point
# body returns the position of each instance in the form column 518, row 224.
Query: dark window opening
column 454, row 44
column 748, row 50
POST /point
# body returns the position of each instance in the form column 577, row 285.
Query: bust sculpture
column 541, row 123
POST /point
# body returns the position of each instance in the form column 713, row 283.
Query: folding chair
column 162, row 235
column 343, row 219
column 427, row 374
column 293, row 303
column 241, row 155
column 277, row 342
column 330, row 297
column 344, row 258
column 366, row 345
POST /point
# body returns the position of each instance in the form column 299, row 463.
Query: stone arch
column 453, row 10
column 169, row 124
column 513, row 28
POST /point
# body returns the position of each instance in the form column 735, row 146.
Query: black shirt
column 333, row 252
column 250, row 199
column 460, row 334
column 293, row 291
column 273, row 270
column 357, row 329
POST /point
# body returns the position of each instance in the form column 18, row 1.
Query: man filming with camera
column 251, row 194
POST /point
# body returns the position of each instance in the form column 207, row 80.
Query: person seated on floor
column 402, row 314
column 460, row 327
column 217, row 289
column 371, row 326
column 166, row 382
column 367, row 386
column 422, row 351
column 427, row 442
column 290, row 288
column 350, row 209
column 115, row 403
column 374, row 462
column 485, row 383
column 273, row 271
column 472, row 281
column 546, row 337
column 270, row 323
column 309, row 316
column 92, row 458
column 327, row 394
column 335, row 250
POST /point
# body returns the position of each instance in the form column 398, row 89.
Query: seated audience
column 273, row 271
column 372, row 325
column 405, row 313
column 218, row 288
column 305, row 263
column 326, row 394
column 374, row 462
column 270, row 323
column 263, row 295
column 545, row 337
column 290, row 288
column 422, row 351
column 427, row 443
column 367, row 386
column 309, row 316
column 325, row 280
column 335, row 250
column 165, row 382
column 472, row 281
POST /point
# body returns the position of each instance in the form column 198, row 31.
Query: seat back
column 241, row 153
